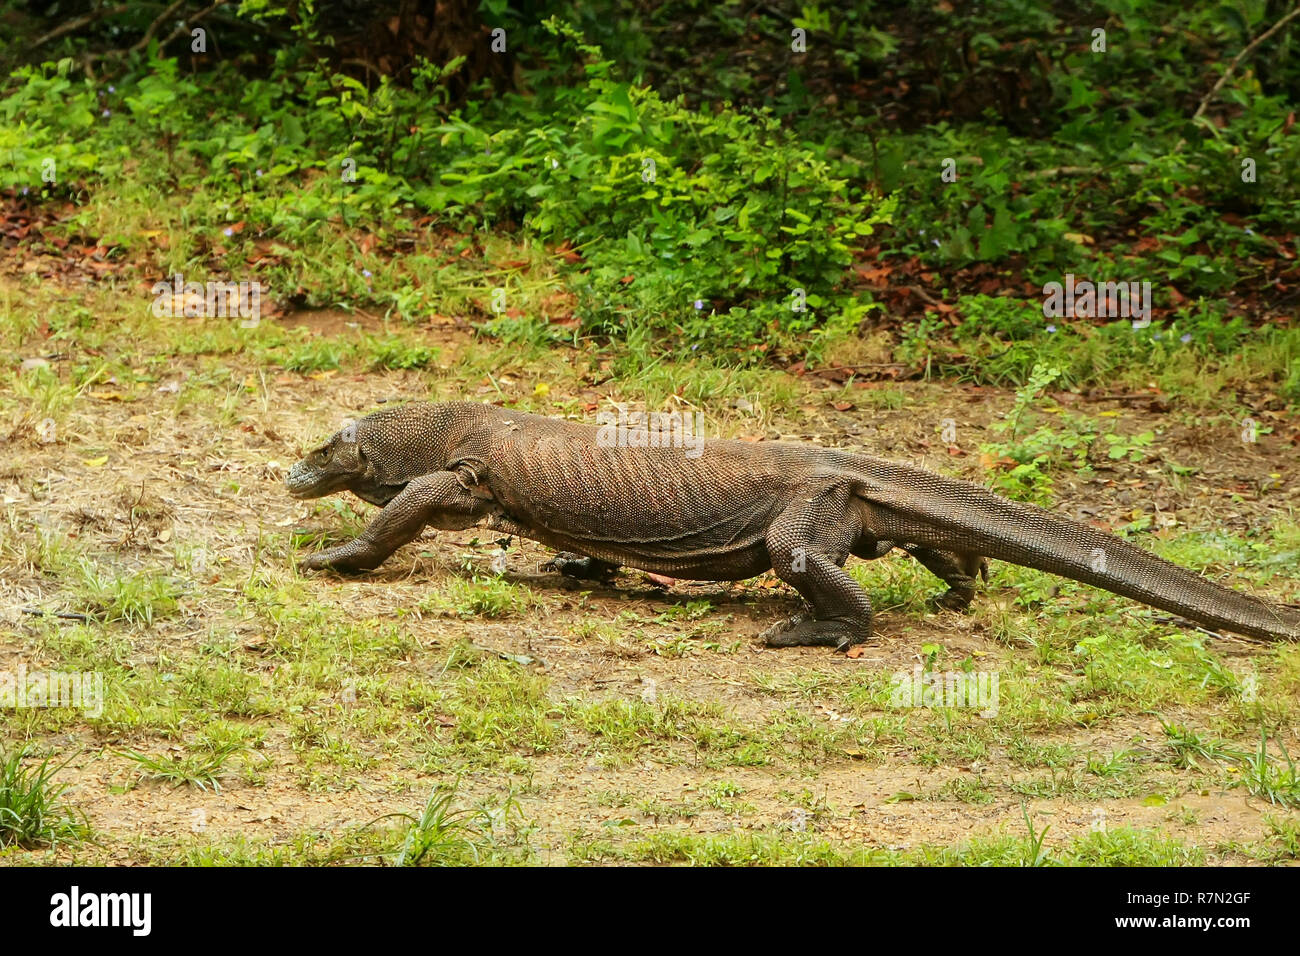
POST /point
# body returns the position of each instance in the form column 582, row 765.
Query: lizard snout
column 299, row 481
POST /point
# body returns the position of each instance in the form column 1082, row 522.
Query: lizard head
column 343, row 464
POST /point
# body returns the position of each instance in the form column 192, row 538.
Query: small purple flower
column 923, row 232
column 1051, row 328
column 107, row 113
column 695, row 346
column 228, row 231
column 1185, row 337
column 1249, row 231
column 259, row 172
column 366, row 273
column 24, row 190
column 1155, row 335
column 936, row 243
column 112, row 89
column 699, row 304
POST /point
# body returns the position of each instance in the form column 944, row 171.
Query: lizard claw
column 314, row 562
column 344, row 557
column 803, row 631
column 769, row 634
column 951, row 600
column 579, row 566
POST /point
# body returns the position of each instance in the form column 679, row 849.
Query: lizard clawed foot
column 579, row 566
column 803, row 631
column 769, row 635
column 951, row 600
column 343, row 557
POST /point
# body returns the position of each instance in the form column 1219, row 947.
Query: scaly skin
column 734, row 511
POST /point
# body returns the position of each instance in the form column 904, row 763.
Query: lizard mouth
column 304, row 486
column 302, row 491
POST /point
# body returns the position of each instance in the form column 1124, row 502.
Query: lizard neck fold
column 407, row 441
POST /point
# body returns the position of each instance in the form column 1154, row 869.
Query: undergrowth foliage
column 690, row 222
column 681, row 219
column 716, row 226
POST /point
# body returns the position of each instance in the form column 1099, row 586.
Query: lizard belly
column 731, row 564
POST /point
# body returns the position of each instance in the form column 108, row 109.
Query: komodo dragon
column 733, row 511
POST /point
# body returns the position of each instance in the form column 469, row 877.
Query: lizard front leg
column 440, row 499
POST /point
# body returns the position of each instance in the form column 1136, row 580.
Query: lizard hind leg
column 812, row 563
column 957, row 569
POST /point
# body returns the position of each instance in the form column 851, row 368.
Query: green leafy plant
column 31, row 813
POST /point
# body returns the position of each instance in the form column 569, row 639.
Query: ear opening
column 367, row 468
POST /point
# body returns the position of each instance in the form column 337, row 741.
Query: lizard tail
column 912, row 505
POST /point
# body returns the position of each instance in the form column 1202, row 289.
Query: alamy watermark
column 23, row 688
column 75, row 908
column 629, row 429
column 1087, row 300
column 211, row 299
column 946, row 689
